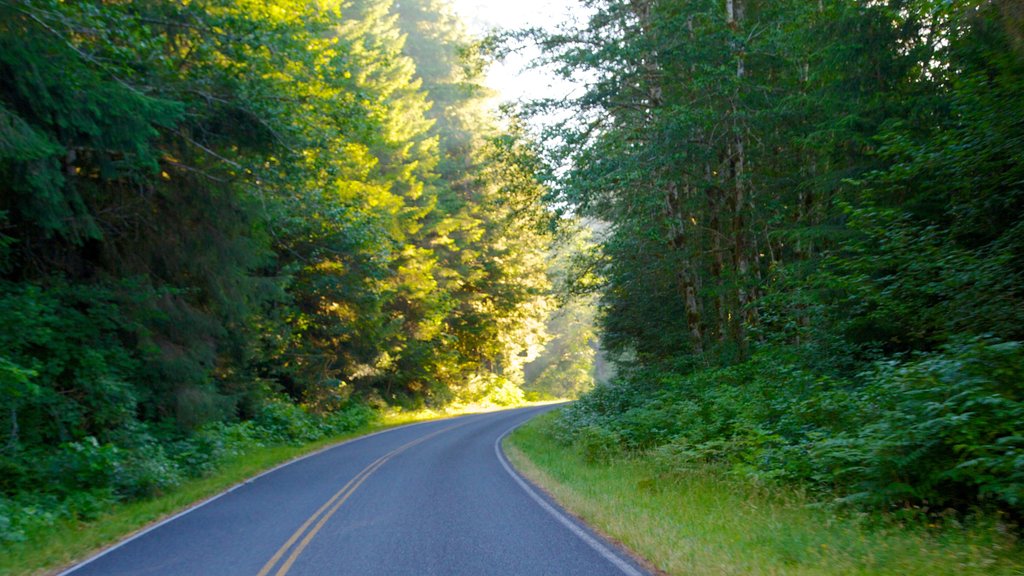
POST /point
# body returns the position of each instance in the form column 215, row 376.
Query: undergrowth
column 704, row 519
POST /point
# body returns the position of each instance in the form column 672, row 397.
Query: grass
column 700, row 523
column 46, row 551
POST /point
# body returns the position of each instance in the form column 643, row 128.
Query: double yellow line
column 324, row 513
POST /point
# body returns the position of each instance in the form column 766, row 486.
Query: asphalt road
column 430, row 498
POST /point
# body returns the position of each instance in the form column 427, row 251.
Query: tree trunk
column 686, row 278
column 737, row 165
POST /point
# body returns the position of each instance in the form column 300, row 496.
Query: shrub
column 350, row 418
column 85, row 465
column 939, row 429
column 597, row 444
column 282, row 421
column 146, row 471
column 947, row 432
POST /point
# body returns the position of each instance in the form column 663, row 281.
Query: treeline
column 236, row 222
column 815, row 263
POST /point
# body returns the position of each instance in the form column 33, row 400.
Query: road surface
column 436, row 498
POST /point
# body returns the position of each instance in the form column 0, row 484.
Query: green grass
column 48, row 549
column 701, row 522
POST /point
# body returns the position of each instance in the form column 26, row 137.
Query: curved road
column 430, row 498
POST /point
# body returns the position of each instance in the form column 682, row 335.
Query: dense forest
column 813, row 268
column 233, row 223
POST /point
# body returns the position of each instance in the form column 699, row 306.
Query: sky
column 511, row 78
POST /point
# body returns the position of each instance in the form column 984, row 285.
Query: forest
column 238, row 223
column 813, row 270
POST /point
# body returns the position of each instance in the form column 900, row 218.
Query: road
column 430, row 498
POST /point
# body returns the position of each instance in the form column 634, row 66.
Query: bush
column 350, row 418
column 147, row 471
column 948, row 433
column 282, row 421
column 85, row 465
column 598, row 444
column 940, row 429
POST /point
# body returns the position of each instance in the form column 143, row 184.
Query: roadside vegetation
column 810, row 276
column 705, row 520
column 811, row 266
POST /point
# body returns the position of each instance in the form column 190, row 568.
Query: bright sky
column 511, row 78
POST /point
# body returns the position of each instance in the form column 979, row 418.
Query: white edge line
column 582, row 534
column 194, row 507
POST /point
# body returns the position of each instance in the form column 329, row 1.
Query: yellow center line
column 284, row 548
column 337, row 500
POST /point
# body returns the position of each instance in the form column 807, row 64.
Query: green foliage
column 568, row 364
column 233, row 224
column 65, row 373
column 939, row 429
column 597, row 444
column 812, row 268
column 947, row 434
column 699, row 521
